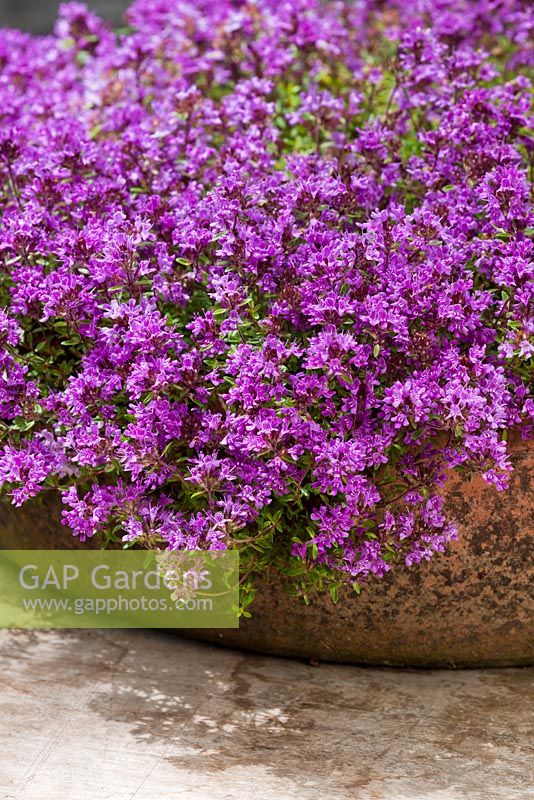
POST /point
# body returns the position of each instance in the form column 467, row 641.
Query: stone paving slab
column 140, row 715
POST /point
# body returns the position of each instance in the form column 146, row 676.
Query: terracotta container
column 473, row 606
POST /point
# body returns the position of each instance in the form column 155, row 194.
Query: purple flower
column 266, row 272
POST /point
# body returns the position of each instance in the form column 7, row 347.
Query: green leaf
column 334, row 593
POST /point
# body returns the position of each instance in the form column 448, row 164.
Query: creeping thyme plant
column 266, row 274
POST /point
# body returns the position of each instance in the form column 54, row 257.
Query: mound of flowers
column 266, row 274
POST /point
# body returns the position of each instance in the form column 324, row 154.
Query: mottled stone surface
column 473, row 606
column 116, row 715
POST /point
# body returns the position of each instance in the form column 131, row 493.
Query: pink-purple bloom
column 266, row 272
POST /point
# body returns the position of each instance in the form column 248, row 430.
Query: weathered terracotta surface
column 473, row 606
column 36, row 525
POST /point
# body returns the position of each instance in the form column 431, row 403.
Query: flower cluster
column 266, row 272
